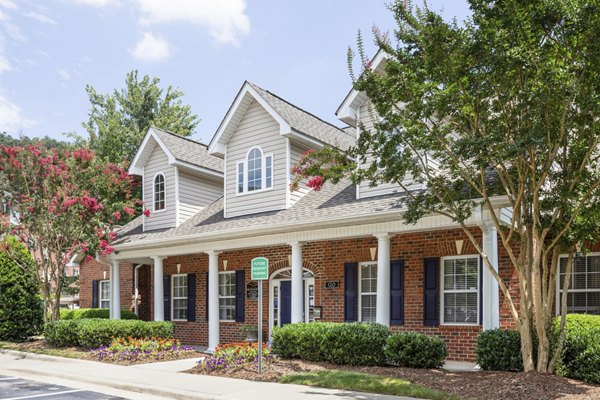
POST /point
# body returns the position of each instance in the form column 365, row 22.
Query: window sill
column 227, row 321
column 476, row 324
column 253, row 192
column 180, row 320
column 159, row 211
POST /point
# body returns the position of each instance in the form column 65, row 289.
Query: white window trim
column 559, row 287
column 442, row 291
column 154, row 210
column 263, row 168
column 226, row 297
column 178, row 298
column 359, row 286
column 100, row 299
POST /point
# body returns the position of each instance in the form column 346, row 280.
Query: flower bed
column 236, row 356
column 130, row 351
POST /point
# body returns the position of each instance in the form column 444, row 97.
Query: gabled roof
column 293, row 121
column 347, row 110
column 180, row 151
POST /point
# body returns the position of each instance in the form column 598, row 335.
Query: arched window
column 159, row 192
column 255, row 172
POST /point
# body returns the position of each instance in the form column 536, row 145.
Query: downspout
column 136, row 293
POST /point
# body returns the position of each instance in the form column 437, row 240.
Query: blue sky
column 50, row 50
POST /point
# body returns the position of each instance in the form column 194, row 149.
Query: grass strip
column 360, row 382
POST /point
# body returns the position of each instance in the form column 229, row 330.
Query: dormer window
column 255, row 173
column 159, row 192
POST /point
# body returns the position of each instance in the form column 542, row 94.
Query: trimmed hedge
column 93, row 333
column 340, row 343
column 499, row 350
column 580, row 358
column 415, row 350
column 82, row 313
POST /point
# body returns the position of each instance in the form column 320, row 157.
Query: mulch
column 482, row 385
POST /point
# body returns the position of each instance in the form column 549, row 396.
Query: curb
column 21, row 354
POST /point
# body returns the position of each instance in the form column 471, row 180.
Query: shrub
column 20, row 305
column 94, row 333
column 580, row 358
column 415, row 350
column 499, row 350
column 340, row 343
column 82, row 313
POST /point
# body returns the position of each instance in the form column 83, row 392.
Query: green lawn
column 47, row 350
column 365, row 383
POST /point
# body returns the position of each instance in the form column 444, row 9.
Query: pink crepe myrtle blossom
column 146, row 212
column 316, row 183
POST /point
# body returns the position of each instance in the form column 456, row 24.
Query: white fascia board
column 305, row 139
column 272, row 238
column 195, row 168
column 246, row 90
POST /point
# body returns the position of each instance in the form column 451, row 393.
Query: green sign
column 260, row 269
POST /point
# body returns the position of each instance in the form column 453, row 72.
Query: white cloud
column 9, row 4
column 11, row 118
column 151, row 48
column 96, row 3
column 225, row 20
column 40, row 17
column 15, row 32
column 64, row 74
column 42, row 53
column 4, row 64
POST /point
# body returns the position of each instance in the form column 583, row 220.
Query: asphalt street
column 12, row 388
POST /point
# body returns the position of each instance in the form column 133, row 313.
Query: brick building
column 339, row 254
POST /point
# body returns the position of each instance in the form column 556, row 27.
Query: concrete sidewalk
column 159, row 382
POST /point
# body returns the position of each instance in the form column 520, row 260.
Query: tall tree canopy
column 24, row 140
column 506, row 104
column 117, row 122
column 68, row 202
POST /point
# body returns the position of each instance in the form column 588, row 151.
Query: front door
column 286, row 302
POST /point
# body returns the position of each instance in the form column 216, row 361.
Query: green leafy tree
column 117, row 122
column 68, row 202
column 23, row 140
column 20, row 302
column 505, row 105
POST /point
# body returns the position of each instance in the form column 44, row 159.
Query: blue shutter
column 240, row 286
column 350, row 291
column 191, row 299
column 206, row 296
column 95, row 294
column 397, row 292
column 167, row 296
column 431, row 292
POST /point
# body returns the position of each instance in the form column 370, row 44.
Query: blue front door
column 286, row 302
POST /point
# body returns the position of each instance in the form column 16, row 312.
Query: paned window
column 179, row 294
column 255, row 173
column 104, row 294
column 368, row 291
column 460, row 290
column 159, row 192
column 584, row 287
column 227, row 296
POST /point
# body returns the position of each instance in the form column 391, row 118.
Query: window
column 255, row 173
column 104, row 294
column 179, row 294
column 368, row 291
column 460, row 290
column 159, row 192
column 227, row 296
column 584, row 287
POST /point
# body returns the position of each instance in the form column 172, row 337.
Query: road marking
column 8, row 379
column 46, row 394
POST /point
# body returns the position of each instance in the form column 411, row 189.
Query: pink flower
column 128, row 210
column 316, row 183
column 117, row 215
column 147, row 213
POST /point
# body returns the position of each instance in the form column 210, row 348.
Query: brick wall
column 93, row 270
column 326, row 260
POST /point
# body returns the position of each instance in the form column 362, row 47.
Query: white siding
column 195, row 193
column 256, row 128
column 157, row 162
column 367, row 116
column 296, row 152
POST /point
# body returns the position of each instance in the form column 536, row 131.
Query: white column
column 115, row 288
column 159, row 290
column 383, row 279
column 213, row 300
column 297, row 286
column 111, row 283
column 491, row 300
